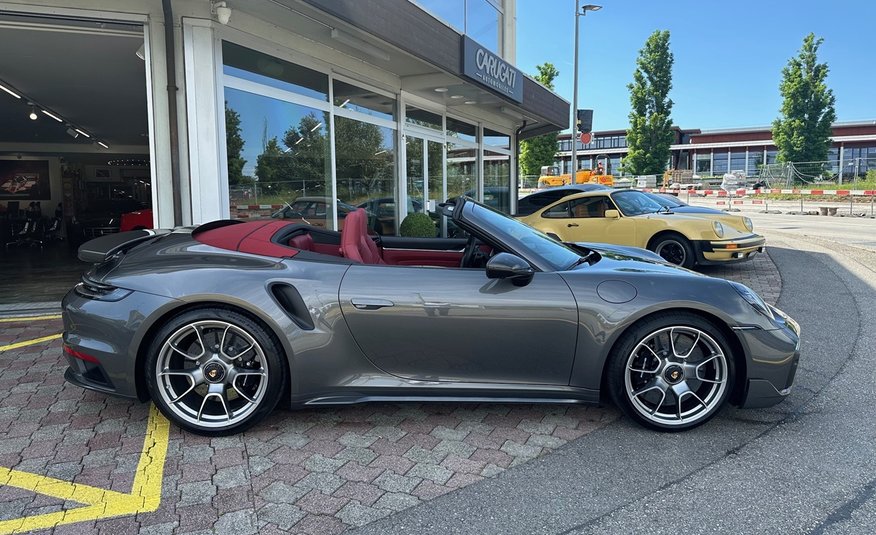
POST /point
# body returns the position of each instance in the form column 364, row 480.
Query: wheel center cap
column 214, row 372
column 673, row 374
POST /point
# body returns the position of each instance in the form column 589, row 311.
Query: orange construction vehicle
column 551, row 177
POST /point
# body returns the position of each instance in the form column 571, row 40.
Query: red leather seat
column 355, row 242
column 303, row 242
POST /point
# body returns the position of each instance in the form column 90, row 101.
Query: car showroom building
column 259, row 102
column 715, row 152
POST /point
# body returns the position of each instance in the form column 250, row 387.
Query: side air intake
column 291, row 302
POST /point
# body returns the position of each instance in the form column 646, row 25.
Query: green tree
column 233, row 147
column 269, row 164
column 540, row 150
column 650, row 133
column 802, row 133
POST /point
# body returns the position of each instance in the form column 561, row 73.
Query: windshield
column 635, row 203
column 525, row 240
column 666, row 200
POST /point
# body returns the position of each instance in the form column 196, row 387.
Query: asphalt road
column 805, row 466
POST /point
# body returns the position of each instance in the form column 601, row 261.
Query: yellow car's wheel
column 675, row 249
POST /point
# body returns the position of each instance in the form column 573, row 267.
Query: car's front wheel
column 671, row 372
column 675, row 249
column 215, row 371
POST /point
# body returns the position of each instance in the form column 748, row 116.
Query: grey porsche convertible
column 219, row 323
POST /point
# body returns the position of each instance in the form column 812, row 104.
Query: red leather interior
column 303, row 242
column 355, row 242
column 419, row 257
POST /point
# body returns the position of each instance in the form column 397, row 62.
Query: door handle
column 362, row 303
column 570, row 225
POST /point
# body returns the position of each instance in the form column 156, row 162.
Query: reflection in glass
column 423, row 118
column 351, row 97
column 497, row 181
column 501, row 140
column 719, row 163
column 704, row 163
column 482, row 24
column 450, row 11
column 461, row 130
column 462, row 171
column 365, row 167
column 274, row 72
column 284, row 153
column 416, row 177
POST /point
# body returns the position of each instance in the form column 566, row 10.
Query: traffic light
column 584, row 121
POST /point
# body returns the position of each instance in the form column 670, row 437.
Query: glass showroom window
column 479, row 19
column 704, row 164
column 462, row 161
column 755, row 161
column 737, row 161
column 719, row 163
column 497, row 170
column 277, row 136
column 365, row 155
column 365, row 170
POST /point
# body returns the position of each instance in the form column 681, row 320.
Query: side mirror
column 612, row 214
column 509, row 266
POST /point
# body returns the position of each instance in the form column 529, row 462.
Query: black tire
column 675, row 249
column 248, row 372
column 639, row 371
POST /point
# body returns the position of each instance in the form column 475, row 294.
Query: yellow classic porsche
column 630, row 217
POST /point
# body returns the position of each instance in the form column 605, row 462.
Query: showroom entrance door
column 425, row 174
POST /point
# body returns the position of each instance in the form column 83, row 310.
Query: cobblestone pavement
column 314, row 471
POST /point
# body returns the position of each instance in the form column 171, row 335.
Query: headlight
column 753, row 299
column 719, row 228
column 748, row 224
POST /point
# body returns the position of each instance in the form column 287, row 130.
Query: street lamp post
column 578, row 13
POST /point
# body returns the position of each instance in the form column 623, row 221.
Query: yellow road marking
column 16, row 345
column 22, row 319
column 145, row 495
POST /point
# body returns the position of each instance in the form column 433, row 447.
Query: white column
column 205, row 108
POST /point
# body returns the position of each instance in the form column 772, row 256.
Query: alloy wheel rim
column 673, row 252
column 676, row 376
column 212, row 373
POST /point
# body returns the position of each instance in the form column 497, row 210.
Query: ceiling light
column 300, row 139
column 317, row 127
column 457, row 96
column 102, row 144
column 52, row 115
column 81, row 132
column 33, row 115
column 359, row 44
column 345, row 103
column 72, row 133
column 441, row 89
column 471, row 101
column 11, row 92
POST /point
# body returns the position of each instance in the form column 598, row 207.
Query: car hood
column 631, row 259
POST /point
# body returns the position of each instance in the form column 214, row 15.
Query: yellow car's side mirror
column 612, row 214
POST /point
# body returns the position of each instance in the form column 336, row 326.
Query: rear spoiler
column 103, row 247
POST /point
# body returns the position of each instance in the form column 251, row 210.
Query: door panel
column 457, row 325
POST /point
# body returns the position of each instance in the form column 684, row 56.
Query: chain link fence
column 856, row 170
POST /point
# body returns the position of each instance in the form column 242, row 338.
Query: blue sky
column 728, row 54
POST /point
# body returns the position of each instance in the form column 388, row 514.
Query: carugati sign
column 490, row 70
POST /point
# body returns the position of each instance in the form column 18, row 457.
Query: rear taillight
column 91, row 289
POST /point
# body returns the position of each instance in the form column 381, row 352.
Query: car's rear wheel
column 671, row 372
column 675, row 249
column 215, row 371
